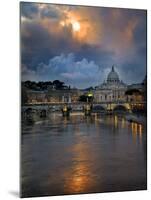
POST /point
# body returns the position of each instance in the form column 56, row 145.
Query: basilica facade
column 111, row 90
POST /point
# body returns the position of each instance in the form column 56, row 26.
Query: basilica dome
column 113, row 76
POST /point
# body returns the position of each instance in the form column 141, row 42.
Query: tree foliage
column 41, row 85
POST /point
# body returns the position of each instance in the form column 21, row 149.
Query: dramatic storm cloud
column 76, row 73
column 79, row 45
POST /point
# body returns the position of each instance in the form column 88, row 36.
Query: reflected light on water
column 78, row 181
column 79, row 178
column 132, row 127
column 123, row 122
column 136, row 130
column 85, row 158
column 96, row 120
column 65, row 121
column 140, row 132
column 95, row 117
column 115, row 121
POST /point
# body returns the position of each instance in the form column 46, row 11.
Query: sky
column 78, row 45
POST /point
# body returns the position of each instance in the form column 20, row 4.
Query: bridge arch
column 29, row 111
column 121, row 107
column 99, row 108
column 43, row 113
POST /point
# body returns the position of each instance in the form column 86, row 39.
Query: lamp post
column 88, row 107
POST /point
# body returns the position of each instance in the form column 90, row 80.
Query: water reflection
column 79, row 178
column 137, row 131
column 115, row 121
column 79, row 154
column 140, row 132
column 123, row 122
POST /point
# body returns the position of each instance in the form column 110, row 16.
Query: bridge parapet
column 78, row 106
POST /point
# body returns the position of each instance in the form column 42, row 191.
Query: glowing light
column 24, row 19
column 90, row 95
column 75, row 26
column 62, row 23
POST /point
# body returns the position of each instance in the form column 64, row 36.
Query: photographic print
column 83, row 99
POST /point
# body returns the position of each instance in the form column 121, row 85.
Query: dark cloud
column 35, row 45
column 78, row 73
column 28, row 10
column 38, row 45
column 50, row 51
column 50, row 12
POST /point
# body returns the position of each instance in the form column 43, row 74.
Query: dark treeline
column 41, row 85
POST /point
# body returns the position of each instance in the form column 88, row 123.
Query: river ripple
column 80, row 154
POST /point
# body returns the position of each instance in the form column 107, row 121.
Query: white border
column 9, row 100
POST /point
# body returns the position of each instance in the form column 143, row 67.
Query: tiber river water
column 81, row 154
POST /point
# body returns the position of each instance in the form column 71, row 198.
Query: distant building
column 53, row 96
column 36, row 96
column 63, row 95
column 137, row 92
column 113, row 89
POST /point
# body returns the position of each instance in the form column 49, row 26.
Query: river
column 75, row 155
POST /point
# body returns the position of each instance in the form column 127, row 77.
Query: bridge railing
column 82, row 103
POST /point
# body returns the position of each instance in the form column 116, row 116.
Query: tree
column 58, row 84
column 24, row 96
column 132, row 91
column 85, row 98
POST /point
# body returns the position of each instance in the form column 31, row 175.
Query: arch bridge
column 105, row 107
column 112, row 106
